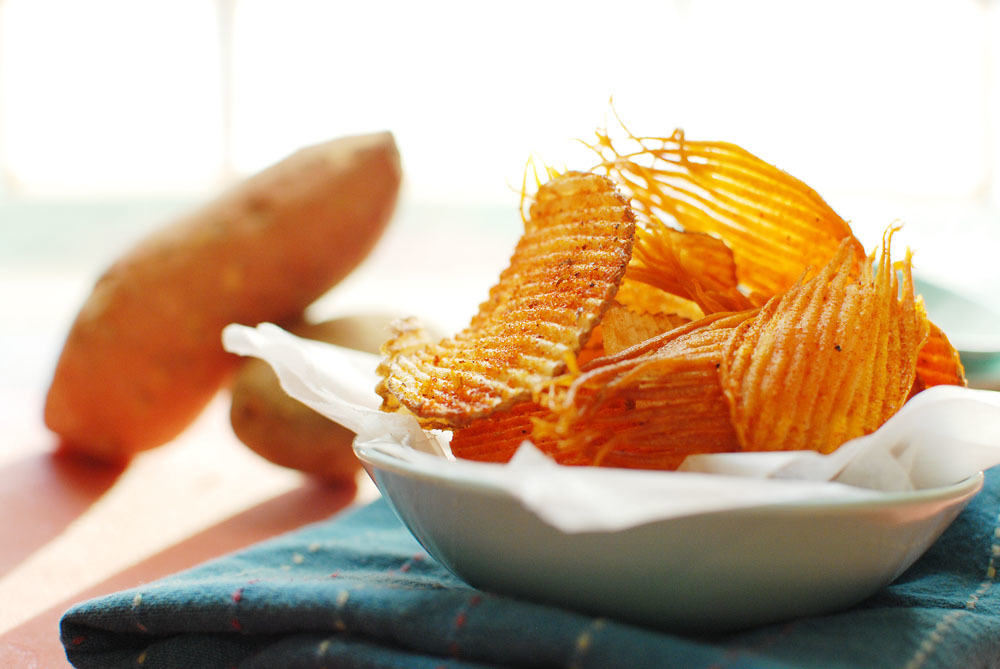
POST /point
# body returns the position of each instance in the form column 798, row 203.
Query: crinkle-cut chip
column 777, row 226
column 623, row 328
column 693, row 337
column 407, row 335
column 692, row 265
column 830, row 360
column 594, row 348
column 496, row 437
column 938, row 363
column 647, row 407
column 563, row 274
column 645, row 298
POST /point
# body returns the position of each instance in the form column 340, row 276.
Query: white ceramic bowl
column 713, row 571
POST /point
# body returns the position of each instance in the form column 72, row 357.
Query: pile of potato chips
column 680, row 297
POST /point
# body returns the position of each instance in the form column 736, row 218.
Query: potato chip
column 408, row 335
column 623, row 327
column 829, row 360
column 692, row 265
column 738, row 313
column 777, row 227
column 649, row 406
column 594, row 348
column 495, row 438
column 938, row 363
column 644, row 298
column 562, row 276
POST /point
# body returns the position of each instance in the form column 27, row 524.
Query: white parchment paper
column 940, row 437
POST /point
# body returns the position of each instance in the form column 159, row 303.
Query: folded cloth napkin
column 359, row 591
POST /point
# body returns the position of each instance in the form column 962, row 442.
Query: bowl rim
column 481, row 477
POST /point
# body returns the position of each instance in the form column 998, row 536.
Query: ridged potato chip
column 776, row 226
column 496, row 437
column 829, row 360
column 649, row 406
column 562, row 276
column 739, row 312
column 645, row 298
column 594, row 348
column 691, row 265
column 623, row 328
column 938, row 363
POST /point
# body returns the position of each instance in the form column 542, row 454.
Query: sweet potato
column 287, row 432
column 144, row 356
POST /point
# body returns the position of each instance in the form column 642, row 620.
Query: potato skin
column 144, row 354
column 287, row 432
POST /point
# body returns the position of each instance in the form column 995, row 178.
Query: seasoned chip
column 496, row 437
column 692, row 265
column 777, row 227
column 829, row 360
column 562, row 276
column 623, row 327
column 594, row 348
column 408, row 335
column 938, row 363
column 649, row 406
column 644, row 298
column 738, row 313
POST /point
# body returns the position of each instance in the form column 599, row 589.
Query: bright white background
column 894, row 98
column 117, row 114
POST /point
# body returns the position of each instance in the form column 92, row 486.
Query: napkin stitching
column 236, row 597
column 934, row 638
column 584, row 642
column 409, row 564
column 340, row 607
column 734, row 652
column 459, row 622
column 136, row 603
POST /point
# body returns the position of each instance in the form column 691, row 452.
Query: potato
column 287, row 432
column 144, row 355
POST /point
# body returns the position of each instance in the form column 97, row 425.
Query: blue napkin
column 358, row 591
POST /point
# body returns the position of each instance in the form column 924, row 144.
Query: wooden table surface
column 72, row 529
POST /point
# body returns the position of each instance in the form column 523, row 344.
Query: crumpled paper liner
column 940, row 437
